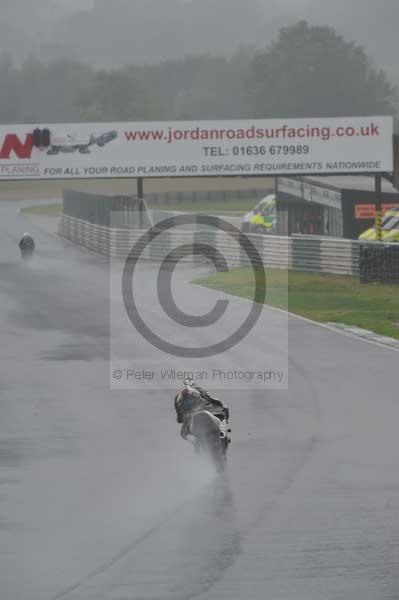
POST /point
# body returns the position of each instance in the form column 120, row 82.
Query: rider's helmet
column 189, row 382
column 188, row 397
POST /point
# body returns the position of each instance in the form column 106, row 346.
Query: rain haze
column 173, row 28
column 164, row 163
column 181, row 59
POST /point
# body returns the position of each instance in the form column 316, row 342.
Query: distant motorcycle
column 27, row 246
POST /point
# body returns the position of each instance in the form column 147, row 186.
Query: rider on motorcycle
column 191, row 397
column 26, row 243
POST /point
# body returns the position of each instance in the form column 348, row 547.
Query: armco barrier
column 325, row 255
column 299, row 252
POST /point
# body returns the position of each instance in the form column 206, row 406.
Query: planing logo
column 13, row 147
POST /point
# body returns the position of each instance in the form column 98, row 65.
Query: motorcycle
column 27, row 247
column 212, row 436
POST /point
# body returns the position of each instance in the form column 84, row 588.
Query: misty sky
column 113, row 32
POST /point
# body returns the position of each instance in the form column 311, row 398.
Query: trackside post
column 378, row 207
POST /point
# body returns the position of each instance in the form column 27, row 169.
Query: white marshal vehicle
column 262, row 218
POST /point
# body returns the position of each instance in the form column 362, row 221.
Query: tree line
column 306, row 71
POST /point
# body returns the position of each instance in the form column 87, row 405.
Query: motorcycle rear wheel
column 218, row 452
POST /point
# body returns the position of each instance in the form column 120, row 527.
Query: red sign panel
column 367, row 211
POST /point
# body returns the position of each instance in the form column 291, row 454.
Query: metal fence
column 302, row 253
column 112, row 225
column 97, row 209
column 196, row 197
column 379, row 262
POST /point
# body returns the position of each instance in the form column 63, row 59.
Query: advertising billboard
column 198, row 148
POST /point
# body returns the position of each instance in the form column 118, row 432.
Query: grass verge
column 43, row 210
column 321, row 297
